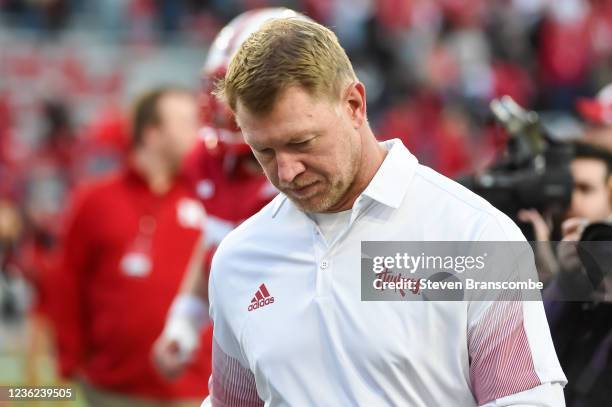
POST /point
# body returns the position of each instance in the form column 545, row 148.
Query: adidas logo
column 261, row 299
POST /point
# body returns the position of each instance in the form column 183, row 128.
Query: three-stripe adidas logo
column 261, row 299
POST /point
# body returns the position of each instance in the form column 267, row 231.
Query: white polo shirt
column 288, row 316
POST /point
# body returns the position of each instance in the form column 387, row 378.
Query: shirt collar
column 278, row 203
column 391, row 181
column 132, row 175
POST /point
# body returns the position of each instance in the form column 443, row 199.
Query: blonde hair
column 283, row 53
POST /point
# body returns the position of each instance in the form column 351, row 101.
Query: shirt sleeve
column 544, row 395
column 510, row 351
column 232, row 382
column 68, row 316
column 509, row 343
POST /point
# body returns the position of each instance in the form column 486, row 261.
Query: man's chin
column 319, row 202
column 311, row 205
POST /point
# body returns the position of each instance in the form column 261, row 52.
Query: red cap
column 597, row 110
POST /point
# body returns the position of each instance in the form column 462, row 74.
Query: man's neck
column 157, row 174
column 372, row 157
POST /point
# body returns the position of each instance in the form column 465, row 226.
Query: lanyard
column 138, row 260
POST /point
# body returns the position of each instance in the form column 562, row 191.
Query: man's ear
column 355, row 99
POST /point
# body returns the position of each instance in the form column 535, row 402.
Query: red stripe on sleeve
column 500, row 357
column 232, row 385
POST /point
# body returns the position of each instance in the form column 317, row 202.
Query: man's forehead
column 280, row 133
column 590, row 162
column 588, row 170
column 174, row 100
column 291, row 117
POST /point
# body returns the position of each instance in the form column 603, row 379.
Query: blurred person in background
column 597, row 112
column 580, row 318
column 43, row 176
column 47, row 16
column 591, row 171
column 6, row 122
column 46, row 176
column 579, row 313
column 592, row 194
column 438, row 136
column 37, row 179
column 230, row 183
column 581, row 324
column 564, row 52
column 105, row 145
column 126, row 245
column 591, row 201
column 10, row 231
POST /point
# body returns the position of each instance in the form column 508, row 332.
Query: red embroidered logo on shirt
column 261, row 299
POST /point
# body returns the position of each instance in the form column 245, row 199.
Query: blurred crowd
column 431, row 68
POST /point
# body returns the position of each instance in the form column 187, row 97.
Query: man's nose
column 288, row 168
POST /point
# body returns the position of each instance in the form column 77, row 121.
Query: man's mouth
column 304, row 191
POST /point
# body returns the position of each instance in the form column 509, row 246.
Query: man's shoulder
column 259, row 223
column 97, row 190
column 436, row 185
column 254, row 233
column 243, row 260
column 451, row 202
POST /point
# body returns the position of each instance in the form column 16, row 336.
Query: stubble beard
column 323, row 200
column 330, row 197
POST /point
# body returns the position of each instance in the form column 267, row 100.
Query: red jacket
column 125, row 251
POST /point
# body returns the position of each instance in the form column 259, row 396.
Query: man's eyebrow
column 299, row 136
column 294, row 138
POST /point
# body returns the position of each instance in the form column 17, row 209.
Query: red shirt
column 565, row 52
column 125, row 251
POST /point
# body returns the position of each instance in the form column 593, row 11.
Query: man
column 591, row 201
column 289, row 325
column 592, row 194
column 230, row 184
column 126, row 246
column 581, row 326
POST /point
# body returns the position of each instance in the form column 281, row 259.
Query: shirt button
column 324, row 264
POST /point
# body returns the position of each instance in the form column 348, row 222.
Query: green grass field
column 26, row 359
